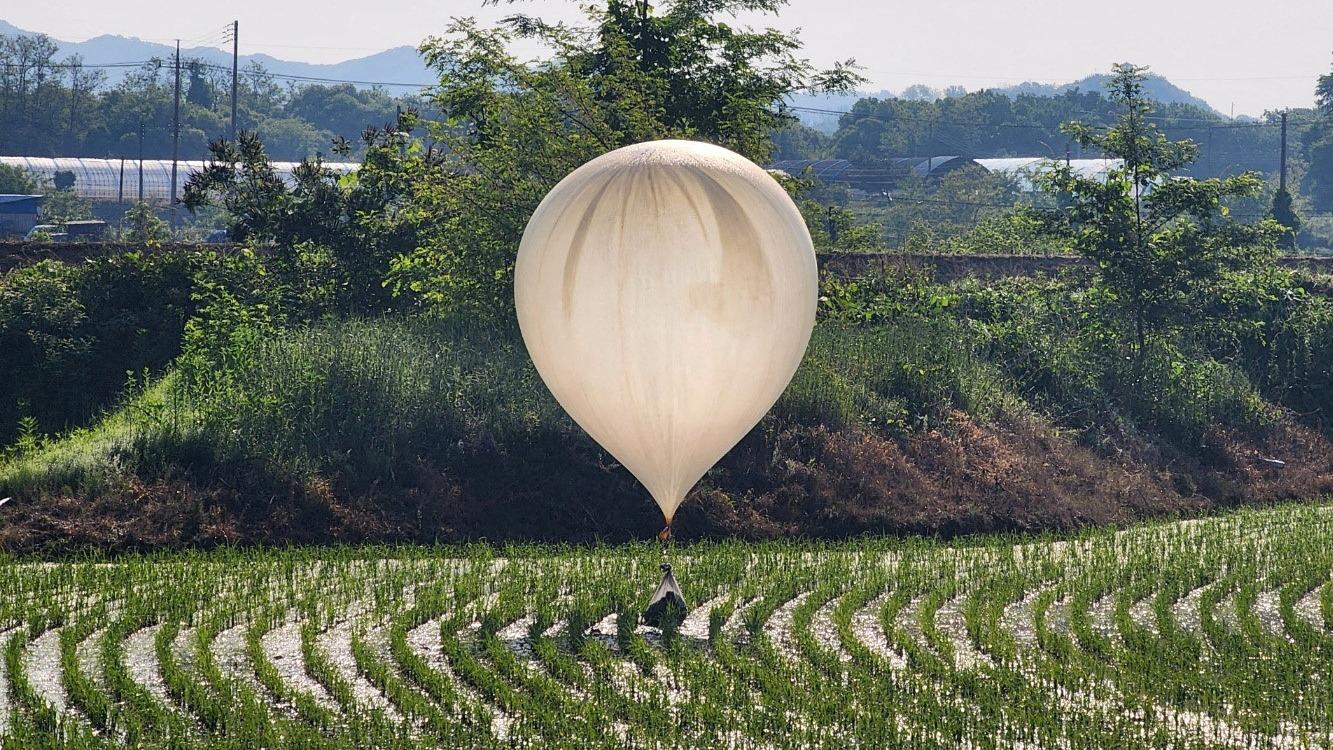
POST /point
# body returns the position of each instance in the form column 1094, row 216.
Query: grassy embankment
column 920, row 408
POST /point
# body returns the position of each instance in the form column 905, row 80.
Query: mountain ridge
column 401, row 70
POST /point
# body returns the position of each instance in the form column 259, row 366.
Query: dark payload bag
column 667, row 608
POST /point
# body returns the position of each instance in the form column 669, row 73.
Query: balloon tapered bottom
column 665, row 533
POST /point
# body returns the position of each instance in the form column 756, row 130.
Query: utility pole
column 1209, row 148
column 402, row 135
column 73, row 100
column 235, row 56
column 141, row 161
column 1282, row 169
column 175, row 133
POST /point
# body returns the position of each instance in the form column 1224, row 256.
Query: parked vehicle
column 47, row 232
column 70, row 231
column 90, row 229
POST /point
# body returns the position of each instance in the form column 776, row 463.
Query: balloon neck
column 665, row 533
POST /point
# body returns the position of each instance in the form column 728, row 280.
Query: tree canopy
column 1160, row 241
column 61, row 107
column 513, row 129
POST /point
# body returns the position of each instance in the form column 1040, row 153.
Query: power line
column 162, row 62
column 217, row 35
column 1175, row 122
column 134, row 64
column 320, row 79
column 1217, row 121
column 944, row 121
column 945, row 202
column 229, row 33
column 1065, row 82
column 916, row 118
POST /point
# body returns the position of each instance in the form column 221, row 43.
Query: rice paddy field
column 1213, row 633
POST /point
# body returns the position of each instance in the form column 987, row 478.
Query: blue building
column 18, row 213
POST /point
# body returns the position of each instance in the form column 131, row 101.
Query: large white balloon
column 666, row 292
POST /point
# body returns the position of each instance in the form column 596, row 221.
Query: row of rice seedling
column 1197, row 634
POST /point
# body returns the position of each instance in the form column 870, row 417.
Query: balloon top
column 675, row 152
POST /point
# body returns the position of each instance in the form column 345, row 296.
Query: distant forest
column 997, row 124
column 60, row 107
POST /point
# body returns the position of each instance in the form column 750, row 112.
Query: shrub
column 1020, row 230
column 17, row 180
column 143, row 226
column 368, row 397
column 897, row 377
column 1183, row 398
column 1277, row 327
column 72, row 333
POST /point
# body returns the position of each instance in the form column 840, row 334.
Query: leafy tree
column 63, row 180
column 29, row 86
column 83, row 119
column 866, row 140
column 54, row 106
column 198, row 91
column 994, row 124
column 60, row 206
column 1319, row 149
column 342, row 109
column 349, row 222
column 1323, row 92
column 1160, row 242
column 258, row 91
column 295, row 139
column 835, row 228
column 918, row 92
column 142, row 225
column 629, row 74
column 796, row 141
column 1284, row 213
column 15, row 180
column 1319, row 173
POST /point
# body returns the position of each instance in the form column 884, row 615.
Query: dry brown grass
column 963, row 477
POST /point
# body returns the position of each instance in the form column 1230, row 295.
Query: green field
column 1210, row 633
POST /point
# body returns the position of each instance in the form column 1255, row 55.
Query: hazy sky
column 1253, row 54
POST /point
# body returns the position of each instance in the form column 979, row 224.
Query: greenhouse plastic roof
column 1025, row 167
column 822, row 169
column 883, row 174
column 104, row 180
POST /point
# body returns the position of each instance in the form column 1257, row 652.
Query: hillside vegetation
column 358, row 376
column 920, row 407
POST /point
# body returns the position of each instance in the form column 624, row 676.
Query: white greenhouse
column 1024, row 168
column 117, row 180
